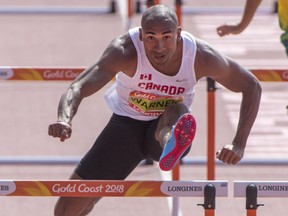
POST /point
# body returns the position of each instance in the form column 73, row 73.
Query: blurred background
column 71, row 33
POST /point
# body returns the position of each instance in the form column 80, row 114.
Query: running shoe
column 182, row 135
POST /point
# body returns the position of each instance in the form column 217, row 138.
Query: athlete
column 156, row 67
column 249, row 11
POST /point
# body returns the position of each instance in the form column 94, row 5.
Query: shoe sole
column 182, row 136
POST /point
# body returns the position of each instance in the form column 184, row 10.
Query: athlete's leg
column 70, row 206
column 114, row 155
column 176, row 130
column 160, row 129
column 167, row 121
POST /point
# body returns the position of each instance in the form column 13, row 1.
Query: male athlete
column 156, row 67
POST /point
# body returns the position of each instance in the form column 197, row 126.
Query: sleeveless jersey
column 146, row 95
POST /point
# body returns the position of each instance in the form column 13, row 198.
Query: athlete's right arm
column 87, row 83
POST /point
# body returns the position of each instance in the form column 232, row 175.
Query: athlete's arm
column 210, row 63
column 115, row 58
column 249, row 11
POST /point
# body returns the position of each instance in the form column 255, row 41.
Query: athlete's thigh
column 116, row 151
column 152, row 147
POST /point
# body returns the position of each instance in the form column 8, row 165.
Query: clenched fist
column 230, row 154
column 60, row 130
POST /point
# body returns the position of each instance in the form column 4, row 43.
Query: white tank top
column 148, row 92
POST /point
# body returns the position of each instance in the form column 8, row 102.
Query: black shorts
column 122, row 144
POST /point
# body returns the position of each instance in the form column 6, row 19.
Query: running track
column 75, row 40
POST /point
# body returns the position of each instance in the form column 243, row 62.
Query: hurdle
column 70, row 73
column 150, row 3
column 118, row 188
column 59, row 9
column 251, row 190
column 209, row 200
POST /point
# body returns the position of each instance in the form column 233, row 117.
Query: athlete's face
column 160, row 40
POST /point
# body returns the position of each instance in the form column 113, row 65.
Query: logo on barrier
column 224, row 184
column 86, row 188
column 182, row 189
column 264, row 189
column 193, row 188
column 72, row 188
column 273, row 188
column 6, row 73
column 7, row 187
column 59, row 74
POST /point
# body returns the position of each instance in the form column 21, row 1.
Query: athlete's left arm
column 224, row 70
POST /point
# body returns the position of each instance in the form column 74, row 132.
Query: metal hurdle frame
column 251, row 190
column 263, row 75
column 59, row 9
column 203, row 10
column 70, row 73
column 117, row 188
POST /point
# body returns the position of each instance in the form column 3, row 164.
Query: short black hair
column 159, row 11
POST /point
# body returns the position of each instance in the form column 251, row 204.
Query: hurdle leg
column 178, row 9
column 150, row 3
column 211, row 88
column 112, row 6
column 209, row 200
column 138, row 6
column 251, row 200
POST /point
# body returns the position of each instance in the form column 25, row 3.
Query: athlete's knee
column 177, row 108
column 167, row 120
column 62, row 209
column 87, row 210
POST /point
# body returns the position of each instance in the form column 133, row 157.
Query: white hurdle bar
column 54, row 10
column 59, row 9
column 72, row 160
column 110, row 188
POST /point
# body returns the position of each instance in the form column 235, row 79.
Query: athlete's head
column 160, row 33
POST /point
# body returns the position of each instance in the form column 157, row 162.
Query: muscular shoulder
column 221, row 68
column 208, row 60
column 122, row 54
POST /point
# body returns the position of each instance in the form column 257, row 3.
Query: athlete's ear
column 179, row 33
column 140, row 34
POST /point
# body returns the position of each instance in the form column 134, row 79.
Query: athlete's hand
column 230, row 154
column 228, row 29
column 60, row 130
